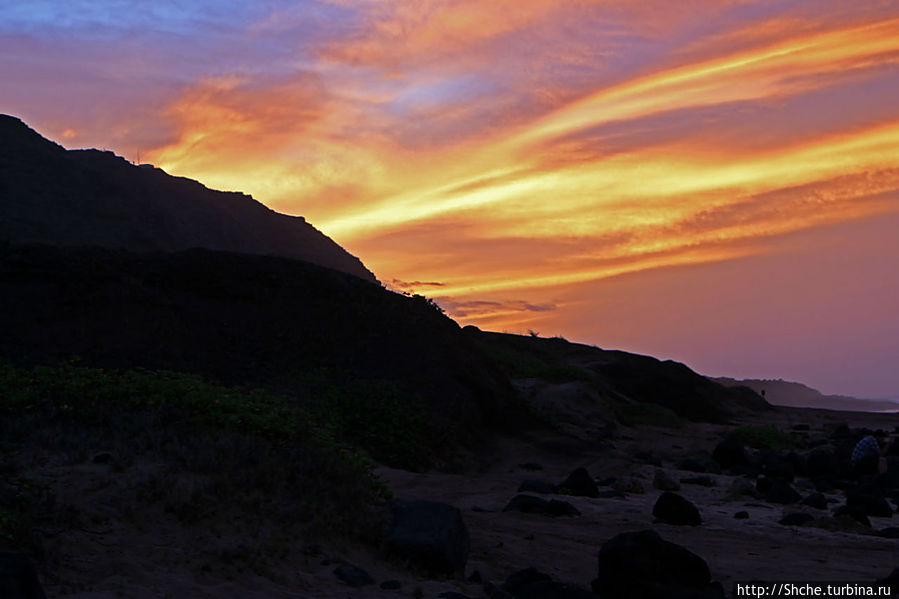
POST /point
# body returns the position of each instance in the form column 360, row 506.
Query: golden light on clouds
column 695, row 198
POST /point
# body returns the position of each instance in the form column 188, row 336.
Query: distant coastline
column 797, row 395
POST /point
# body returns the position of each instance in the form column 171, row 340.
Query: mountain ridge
column 94, row 198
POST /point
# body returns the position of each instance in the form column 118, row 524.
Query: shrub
column 644, row 413
column 763, row 437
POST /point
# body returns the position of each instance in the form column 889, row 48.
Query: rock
column 743, row 515
column 611, row 494
column 674, row 509
column 536, row 486
column 782, row 492
column 763, row 484
column 796, row 519
column 704, row 481
column 605, row 482
column 518, row 580
column 699, row 465
column 353, row 575
column 642, row 564
column 775, row 466
column 553, row 590
column 663, row 482
column 891, row 581
column 18, row 578
column 816, row 500
column 579, row 483
column 889, row 533
column 391, row 585
column 873, row 505
column 647, row 457
column 742, row 487
column 430, row 535
column 102, row 458
column 856, row 512
column 819, row 463
column 730, row 454
column 629, row 485
column 529, row 504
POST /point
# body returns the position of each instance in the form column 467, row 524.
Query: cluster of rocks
column 822, row 468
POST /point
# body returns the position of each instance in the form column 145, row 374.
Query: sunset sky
column 711, row 181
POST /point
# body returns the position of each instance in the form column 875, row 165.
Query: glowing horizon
column 519, row 161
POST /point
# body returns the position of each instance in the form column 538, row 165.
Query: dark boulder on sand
column 796, row 519
column 535, row 505
column 536, row 486
column 781, row 492
column 674, row 509
column 430, row 535
column 18, row 579
column 353, row 576
column 642, row 565
column 731, row 454
column 815, row 500
column 579, row 483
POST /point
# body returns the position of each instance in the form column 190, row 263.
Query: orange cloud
column 505, row 207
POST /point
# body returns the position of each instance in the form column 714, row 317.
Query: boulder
column 18, row 579
column 856, row 512
column 674, row 509
column 430, row 535
column 815, row 500
column 353, row 575
column 781, row 492
column 731, row 454
column 529, row 504
column 553, row 590
column 776, row 466
column 611, row 494
column 629, row 485
column 663, row 482
column 819, row 463
column 796, row 519
column 872, row 504
column 742, row 487
column 700, row 465
column 703, row 481
column 522, row 578
column 579, row 483
column 642, row 565
column 536, row 486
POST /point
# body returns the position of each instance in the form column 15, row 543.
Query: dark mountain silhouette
column 616, row 377
column 96, row 266
column 89, row 197
column 253, row 321
column 786, row 393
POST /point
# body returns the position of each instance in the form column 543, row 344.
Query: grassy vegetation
column 763, row 437
column 647, row 414
column 252, row 452
column 525, row 363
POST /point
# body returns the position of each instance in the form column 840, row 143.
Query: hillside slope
column 93, row 198
column 244, row 320
column 577, row 378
